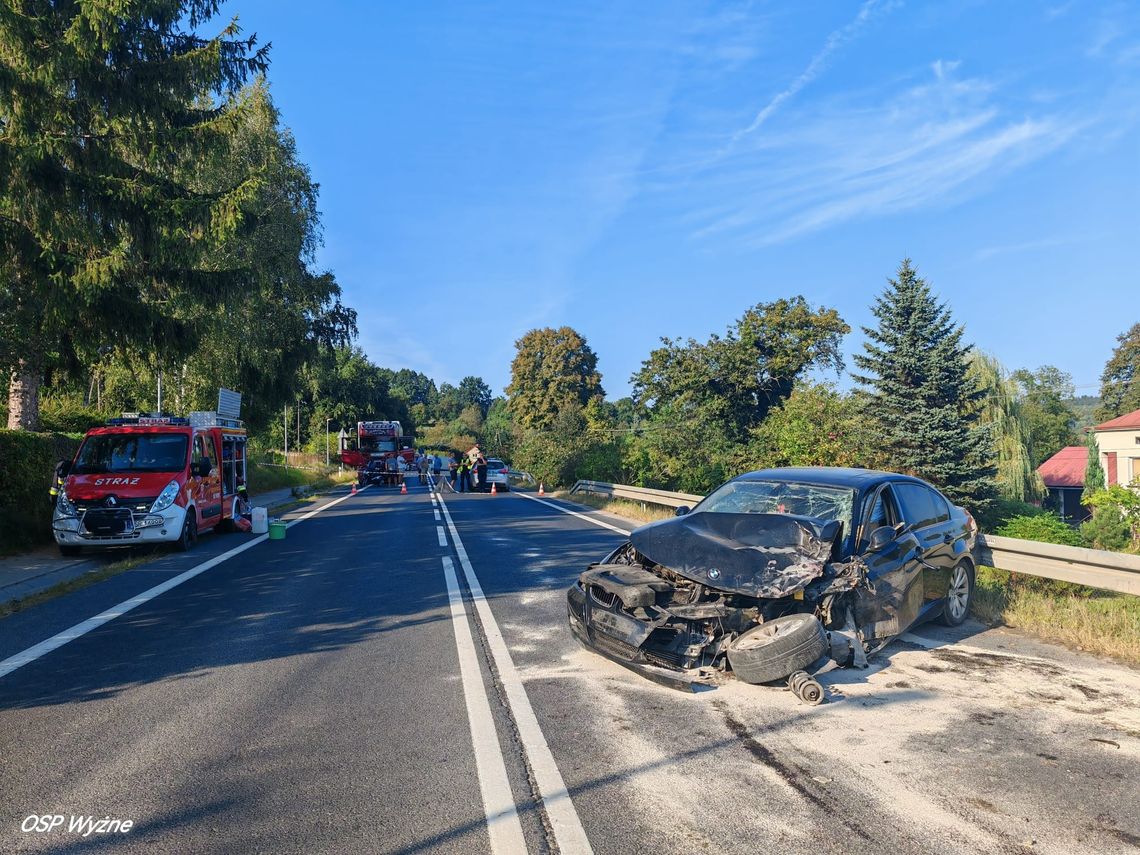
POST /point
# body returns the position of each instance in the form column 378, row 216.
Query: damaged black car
column 773, row 572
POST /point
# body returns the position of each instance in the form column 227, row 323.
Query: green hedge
column 27, row 461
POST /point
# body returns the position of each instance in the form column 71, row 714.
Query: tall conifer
column 110, row 112
column 915, row 366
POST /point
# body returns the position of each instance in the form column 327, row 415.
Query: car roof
column 828, row 476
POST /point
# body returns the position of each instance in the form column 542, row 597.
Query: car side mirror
column 681, row 511
column 881, row 538
column 64, row 468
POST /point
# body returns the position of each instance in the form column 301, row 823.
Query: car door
column 928, row 514
column 894, row 598
column 207, row 488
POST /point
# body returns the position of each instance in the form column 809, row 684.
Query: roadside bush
column 68, row 415
column 1107, row 529
column 1003, row 510
column 28, row 463
column 1043, row 527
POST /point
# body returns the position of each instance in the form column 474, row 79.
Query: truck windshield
column 132, row 452
column 782, row 497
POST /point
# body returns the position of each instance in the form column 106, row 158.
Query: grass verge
column 263, row 479
column 621, row 507
column 1085, row 618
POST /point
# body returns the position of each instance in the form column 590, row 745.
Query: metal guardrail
column 1096, row 568
column 637, row 494
column 1111, row 571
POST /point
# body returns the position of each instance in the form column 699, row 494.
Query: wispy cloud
column 1049, row 242
column 931, row 144
column 814, row 68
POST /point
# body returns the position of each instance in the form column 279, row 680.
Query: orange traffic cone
column 354, row 488
column 541, row 491
column 403, row 488
column 494, row 492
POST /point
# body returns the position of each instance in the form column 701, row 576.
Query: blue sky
column 639, row 170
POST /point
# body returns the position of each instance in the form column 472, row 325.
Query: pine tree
column 915, row 366
column 110, row 215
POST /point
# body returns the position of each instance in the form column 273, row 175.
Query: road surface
column 397, row 676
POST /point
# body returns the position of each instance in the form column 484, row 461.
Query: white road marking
column 585, row 517
column 503, row 824
column 442, row 537
column 34, row 652
column 564, row 822
column 437, row 516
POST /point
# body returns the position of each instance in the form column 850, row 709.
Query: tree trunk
column 24, row 396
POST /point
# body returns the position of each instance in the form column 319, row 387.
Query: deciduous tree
column 1120, row 382
column 552, row 370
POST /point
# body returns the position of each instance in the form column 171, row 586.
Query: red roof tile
column 1066, row 468
column 1128, row 420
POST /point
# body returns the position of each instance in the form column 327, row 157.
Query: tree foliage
column 553, row 369
column 111, row 217
column 915, row 368
column 1095, row 479
column 1120, row 382
column 1000, row 407
column 1049, row 417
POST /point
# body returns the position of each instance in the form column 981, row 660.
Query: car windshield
column 132, row 452
column 782, row 497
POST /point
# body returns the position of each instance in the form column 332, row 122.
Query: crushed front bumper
column 620, row 639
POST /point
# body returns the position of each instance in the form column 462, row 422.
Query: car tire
column 69, row 551
column 777, row 648
column 189, row 535
column 959, row 595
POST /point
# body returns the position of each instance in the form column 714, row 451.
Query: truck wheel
column 69, row 551
column 189, row 535
column 777, row 648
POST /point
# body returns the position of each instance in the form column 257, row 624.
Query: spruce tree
column 110, row 215
column 1095, row 478
column 916, row 369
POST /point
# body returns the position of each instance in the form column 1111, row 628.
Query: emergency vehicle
column 145, row 479
column 378, row 440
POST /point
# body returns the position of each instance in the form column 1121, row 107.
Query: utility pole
column 285, row 420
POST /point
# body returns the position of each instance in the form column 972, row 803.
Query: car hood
column 759, row 555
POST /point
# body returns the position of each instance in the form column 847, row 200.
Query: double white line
column 502, row 816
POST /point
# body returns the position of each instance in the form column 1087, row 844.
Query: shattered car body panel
column 670, row 601
column 759, row 555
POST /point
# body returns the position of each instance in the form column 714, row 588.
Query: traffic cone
column 353, row 488
column 403, row 488
column 541, row 491
column 494, row 492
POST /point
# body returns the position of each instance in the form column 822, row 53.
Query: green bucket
column 276, row 530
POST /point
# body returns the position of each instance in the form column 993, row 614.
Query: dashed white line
column 503, row 824
column 437, row 516
column 34, row 652
column 564, row 822
column 585, row 517
column 442, row 537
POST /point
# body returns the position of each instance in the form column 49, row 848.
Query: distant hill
column 1085, row 405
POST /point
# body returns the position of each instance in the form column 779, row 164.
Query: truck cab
column 151, row 479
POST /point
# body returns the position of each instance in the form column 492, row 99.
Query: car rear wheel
column 777, row 648
column 959, row 595
column 189, row 534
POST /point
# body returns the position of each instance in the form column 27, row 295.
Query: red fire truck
column 378, row 440
column 151, row 478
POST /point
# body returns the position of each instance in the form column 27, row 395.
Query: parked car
column 775, row 569
column 498, row 473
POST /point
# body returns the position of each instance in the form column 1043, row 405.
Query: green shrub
column 1043, row 527
column 1107, row 529
column 1002, row 510
column 28, row 461
column 68, row 415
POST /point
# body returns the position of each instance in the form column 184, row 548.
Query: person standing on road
column 424, row 464
column 392, row 467
column 464, row 475
column 453, row 469
column 436, row 465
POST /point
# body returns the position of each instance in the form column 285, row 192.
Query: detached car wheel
column 189, row 534
column 777, row 648
column 959, row 595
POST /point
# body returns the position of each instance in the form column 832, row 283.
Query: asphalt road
column 397, row 676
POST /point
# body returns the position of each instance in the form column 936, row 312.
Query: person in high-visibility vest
column 57, row 481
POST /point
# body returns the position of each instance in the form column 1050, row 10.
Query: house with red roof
column 1119, row 443
column 1064, row 477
